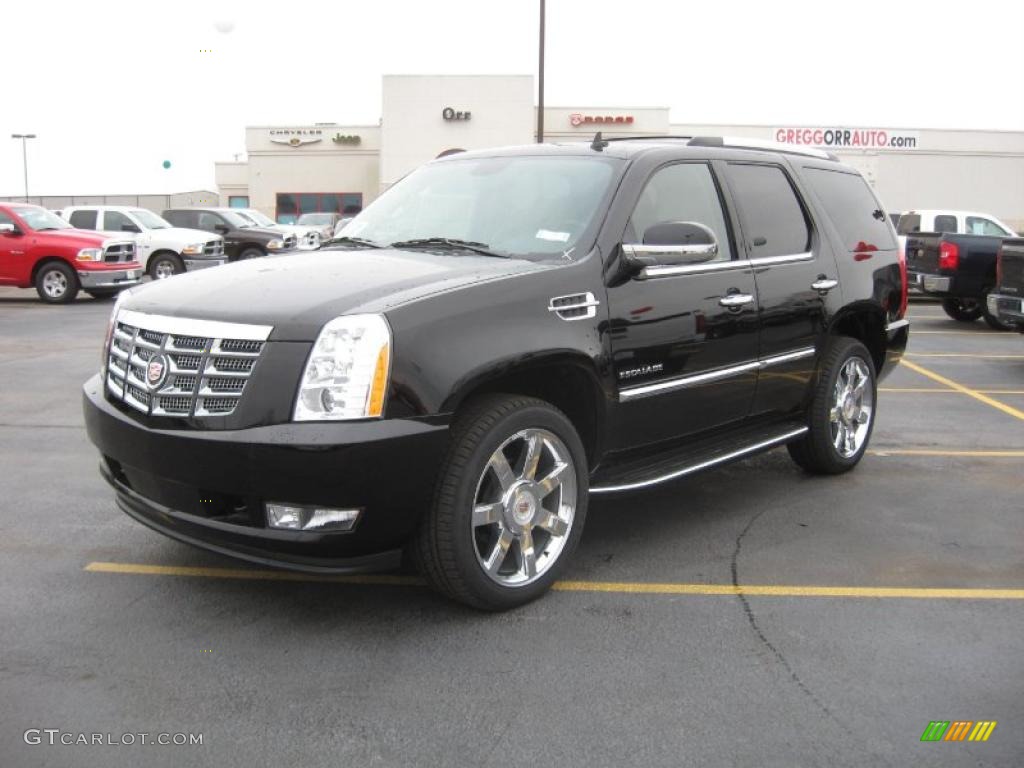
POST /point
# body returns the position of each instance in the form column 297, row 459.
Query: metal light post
column 540, row 81
column 24, row 155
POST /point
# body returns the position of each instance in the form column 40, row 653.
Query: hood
column 82, row 238
column 183, row 234
column 298, row 293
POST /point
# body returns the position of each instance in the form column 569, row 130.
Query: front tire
column 962, row 309
column 250, row 253
column 510, row 504
column 57, row 283
column 164, row 265
column 842, row 411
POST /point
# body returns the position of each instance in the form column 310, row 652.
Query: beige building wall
column 414, row 129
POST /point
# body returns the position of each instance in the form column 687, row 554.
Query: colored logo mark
column 958, row 730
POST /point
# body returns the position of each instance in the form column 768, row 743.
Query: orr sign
column 848, row 138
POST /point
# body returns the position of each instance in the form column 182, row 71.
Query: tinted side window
column 945, row 224
column 83, row 219
column 979, row 226
column 773, row 219
column 851, row 207
column 209, row 221
column 115, row 221
column 909, row 224
column 683, row 192
column 180, row 219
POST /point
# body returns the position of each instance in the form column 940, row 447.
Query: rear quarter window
column 852, row 208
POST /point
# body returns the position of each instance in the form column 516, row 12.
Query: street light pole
column 24, row 155
column 540, row 81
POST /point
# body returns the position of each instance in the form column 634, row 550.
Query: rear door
column 684, row 361
column 796, row 276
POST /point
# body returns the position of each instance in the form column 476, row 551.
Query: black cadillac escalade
column 498, row 336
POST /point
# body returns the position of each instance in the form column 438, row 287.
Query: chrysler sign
column 848, row 138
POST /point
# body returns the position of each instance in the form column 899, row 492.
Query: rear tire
column 842, row 411
column 164, row 265
column 57, row 283
column 510, row 504
column 963, row 310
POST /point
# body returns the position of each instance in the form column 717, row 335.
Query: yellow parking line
column 944, row 390
column 986, row 334
column 578, row 586
column 965, row 354
column 1007, row 409
column 1008, row 454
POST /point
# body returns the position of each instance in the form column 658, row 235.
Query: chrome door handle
column 824, row 284
column 736, row 300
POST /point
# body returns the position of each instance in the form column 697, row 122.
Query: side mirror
column 222, row 228
column 130, row 228
column 8, row 229
column 668, row 245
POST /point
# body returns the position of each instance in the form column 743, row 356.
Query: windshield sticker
column 555, row 237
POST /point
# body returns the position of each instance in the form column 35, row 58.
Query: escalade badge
column 156, row 372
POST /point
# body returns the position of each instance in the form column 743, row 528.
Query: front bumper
column 208, row 487
column 191, row 265
column 109, row 278
column 1009, row 309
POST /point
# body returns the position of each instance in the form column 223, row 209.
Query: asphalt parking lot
column 749, row 616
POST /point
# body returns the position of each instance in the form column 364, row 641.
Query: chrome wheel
column 852, row 407
column 163, row 270
column 524, row 507
column 55, row 284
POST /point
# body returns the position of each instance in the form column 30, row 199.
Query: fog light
column 294, row 517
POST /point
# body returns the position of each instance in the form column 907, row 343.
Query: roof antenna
column 598, row 143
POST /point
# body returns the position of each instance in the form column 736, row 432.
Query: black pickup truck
column 242, row 240
column 507, row 332
column 959, row 269
column 1007, row 302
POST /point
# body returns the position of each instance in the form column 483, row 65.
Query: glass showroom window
column 291, row 205
column 238, row 201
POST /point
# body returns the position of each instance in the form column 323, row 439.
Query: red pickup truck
column 38, row 248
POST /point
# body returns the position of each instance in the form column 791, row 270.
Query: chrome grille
column 289, row 242
column 208, row 363
column 214, row 248
column 116, row 253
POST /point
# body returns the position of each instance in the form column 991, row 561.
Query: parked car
column 512, row 331
column 1007, row 302
column 242, row 239
column 40, row 249
column 306, row 238
column 162, row 249
column 323, row 222
column 958, row 269
column 340, row 226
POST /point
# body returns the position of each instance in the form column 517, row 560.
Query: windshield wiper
column 345, row 240
column 450, row 242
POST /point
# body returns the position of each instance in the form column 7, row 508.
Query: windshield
column 260, row 218
column 238, row 219
column 524, row 205
column 41, row 219
column 150, row 220
column 315, row 218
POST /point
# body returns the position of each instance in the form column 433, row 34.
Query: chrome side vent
column 576, row 306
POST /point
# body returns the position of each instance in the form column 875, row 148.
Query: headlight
column 275, row 245
column 346, row 375
column 194, row 249
column 90, row 254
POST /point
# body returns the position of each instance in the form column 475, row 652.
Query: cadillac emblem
column 156, row 371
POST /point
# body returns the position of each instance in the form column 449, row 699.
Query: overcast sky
column 115, row 88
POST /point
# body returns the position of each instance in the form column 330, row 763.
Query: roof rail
column 653, row 137
column 742, row 142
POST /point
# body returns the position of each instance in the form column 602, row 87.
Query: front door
column 14, row 257
column 684, row 345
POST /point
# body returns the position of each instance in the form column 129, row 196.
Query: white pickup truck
column 163, row 250
column 951, row 223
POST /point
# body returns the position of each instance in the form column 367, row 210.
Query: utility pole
column 24, row 155
column 540, row 81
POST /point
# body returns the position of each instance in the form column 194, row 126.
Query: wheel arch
column 865, row 322
column 569, row 382
column 38, row 266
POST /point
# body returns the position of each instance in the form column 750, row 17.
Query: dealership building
column 295, row 169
